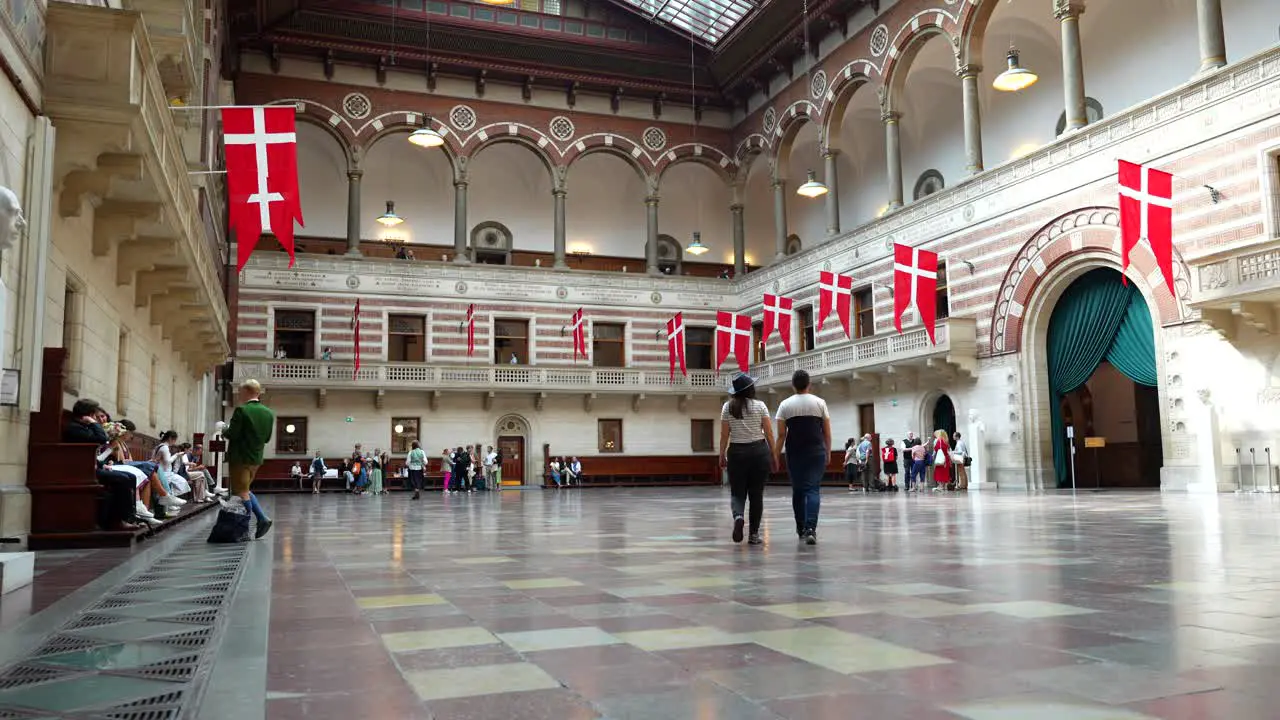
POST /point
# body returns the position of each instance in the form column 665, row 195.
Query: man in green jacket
column 246, row 435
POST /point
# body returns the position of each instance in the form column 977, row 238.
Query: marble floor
column 635, row 604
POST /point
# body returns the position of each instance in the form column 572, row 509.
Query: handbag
column 939, row 459
column 968, row 461
column 232, row 525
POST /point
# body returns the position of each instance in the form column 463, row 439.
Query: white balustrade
column 955, row 344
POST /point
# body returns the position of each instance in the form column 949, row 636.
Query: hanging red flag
column 355, row 332
column 733, row 334
column 261, row 150
column 835, row 290
column 1146, row 212
column 915, row 283
column 675, row 344
column 578, row 323
column 777, row 313
column 471, row 329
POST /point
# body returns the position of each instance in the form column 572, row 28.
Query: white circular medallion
column 462, row 117
column 818, row 84
column 770, row 120
column 654, row 138
column 561, row 128
column 879, row 40
column 356, row 106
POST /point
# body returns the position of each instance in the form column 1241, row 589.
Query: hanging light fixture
column 426, row 136
column 1015, row 77
column 812, row 188
column 696, row 247
column 390, row 218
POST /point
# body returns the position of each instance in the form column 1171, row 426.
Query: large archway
column 1102, row 382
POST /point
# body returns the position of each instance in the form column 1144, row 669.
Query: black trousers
column 748, row 471
column 121, row 489
column 416, row 478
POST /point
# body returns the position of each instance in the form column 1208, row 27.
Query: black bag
column 968, row 461
column 230, row 528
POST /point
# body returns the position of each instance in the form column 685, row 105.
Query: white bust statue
column 12, row 223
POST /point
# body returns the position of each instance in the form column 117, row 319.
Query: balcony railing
column 956, row 348
column 417, row 376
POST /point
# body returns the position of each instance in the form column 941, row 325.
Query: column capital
column 355, row 174
column 460, row 184
column 651, row 200
column 736, row 207
column 890, row 117
column 968, row 71
column 559, row 192
column 779, row 184
column 1063, row 9
column 830, row 152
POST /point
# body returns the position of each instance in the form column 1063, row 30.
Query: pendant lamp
column 1015, row 77
column 390, row 218
column 696, row 247
column 426, row 136
column 812, row 188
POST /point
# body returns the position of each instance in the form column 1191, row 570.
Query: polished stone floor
column 634, row 604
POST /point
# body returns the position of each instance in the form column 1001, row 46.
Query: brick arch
column 848, row 82
column 795, row 117
column 474, row 149
column 1095, row 230
column 344, row 143
column 397, row 123
column 617, row 145
column 972, row 28
column 538, row 141
column 712, row 158
column 749, row 148
column 906, row 45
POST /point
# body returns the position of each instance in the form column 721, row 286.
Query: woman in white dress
column 166, row 460
column 146, row 473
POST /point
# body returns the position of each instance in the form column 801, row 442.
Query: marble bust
column 12, row 223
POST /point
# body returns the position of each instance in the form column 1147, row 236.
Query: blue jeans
column 256, row 509
column 806, row 473
column 915, row 472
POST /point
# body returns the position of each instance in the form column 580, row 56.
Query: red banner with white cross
column 915, row 284
column 261, row 148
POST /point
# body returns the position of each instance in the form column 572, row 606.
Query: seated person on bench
column 121, row 487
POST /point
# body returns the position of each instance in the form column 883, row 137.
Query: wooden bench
column 66, row 499
column 833, row 477
column 646, row 471
column 274, row 476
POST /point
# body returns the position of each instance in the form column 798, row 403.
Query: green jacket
column 248, row 432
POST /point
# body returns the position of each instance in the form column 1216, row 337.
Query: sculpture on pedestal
column 12, row 223
column 978, row 450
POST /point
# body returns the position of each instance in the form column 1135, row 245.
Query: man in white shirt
column 804, row 431
column 490, row 462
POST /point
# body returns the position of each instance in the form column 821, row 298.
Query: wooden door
column 867, row 426
column 513, row 460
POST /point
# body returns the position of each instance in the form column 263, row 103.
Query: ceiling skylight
column 708, row 21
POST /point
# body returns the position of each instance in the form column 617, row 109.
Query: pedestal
column 17, row 570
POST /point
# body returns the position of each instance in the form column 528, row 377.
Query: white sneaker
column 141, row 510
column 151, row 521
column 171, row 501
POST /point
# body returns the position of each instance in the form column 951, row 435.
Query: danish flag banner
column 915, row 283
column 471, row 330
column 835, row 291
column 579, row 335
column 355, row 332
column 675, row 344
column 1146, row 213
column 777, row 313
column 733, row 334
column 262, row 176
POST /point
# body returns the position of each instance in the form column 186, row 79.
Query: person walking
column 746, row 451
column 446, row 468
column 317, row 473
column 804, row 432
column 246, row 435
column 851, row 469
column 941, row 460
column 960, row 459
column 416, row 462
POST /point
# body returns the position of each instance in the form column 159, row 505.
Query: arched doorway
column 1100, row 353
column 512, row 432
column 944, row 417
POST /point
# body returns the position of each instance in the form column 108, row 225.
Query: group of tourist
column 945, row 458
column 565, row 472
column 140, row 492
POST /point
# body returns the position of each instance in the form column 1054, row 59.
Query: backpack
column 889, row 454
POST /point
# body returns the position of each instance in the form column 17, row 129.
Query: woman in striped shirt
column 746, row 449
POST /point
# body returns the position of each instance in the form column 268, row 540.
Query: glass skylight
column 708, row 21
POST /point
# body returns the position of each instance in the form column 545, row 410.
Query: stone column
column 972, row 118
column 893, row 151
column 780, row 219
column 739, row 240
column 1068, row 15
column 558, row 229
column 651, row 248
column 353, row 214
column 833, row 191
column 1213, row 41
column 460, row 222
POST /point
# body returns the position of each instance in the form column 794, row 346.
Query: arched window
column 491, row 243
column 669, row 255
column 930, row 182
column 793, row 244
column 1092, row 111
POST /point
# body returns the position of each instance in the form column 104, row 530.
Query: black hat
column 740, row 383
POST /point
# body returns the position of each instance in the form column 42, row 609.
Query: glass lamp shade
column 390, row 218
column 812, row 188
column 399, row 429
column 426, row 137
column 1016, row 77
column 696, row 247
column 290, row 429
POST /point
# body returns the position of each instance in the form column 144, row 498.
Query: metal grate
column 177, row 669
column 65, row 643
column 193, row 639
column 28, row 675
column 167, row 706
column 93, row 620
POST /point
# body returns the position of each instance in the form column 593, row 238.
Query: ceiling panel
column 707, row 21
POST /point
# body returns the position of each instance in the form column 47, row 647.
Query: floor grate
column 22, row 675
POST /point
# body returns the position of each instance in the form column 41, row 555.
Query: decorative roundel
column 969, row 212
column 356, row 106
column 656, row 298
column 826, row 266
column 561, row 128
column 888, row 242
column 460, row 288
column 879, row 40
column 777, row 287
column 353, row 282
column 462, row 117
column 654, row 138
column 818, row 84
column 770, row 120
column 562, row 293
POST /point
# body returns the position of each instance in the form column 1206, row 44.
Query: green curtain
column 1097, row 318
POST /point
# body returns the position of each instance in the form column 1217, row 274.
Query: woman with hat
column 746, row 449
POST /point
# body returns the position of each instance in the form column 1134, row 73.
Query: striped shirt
column 749, row 428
